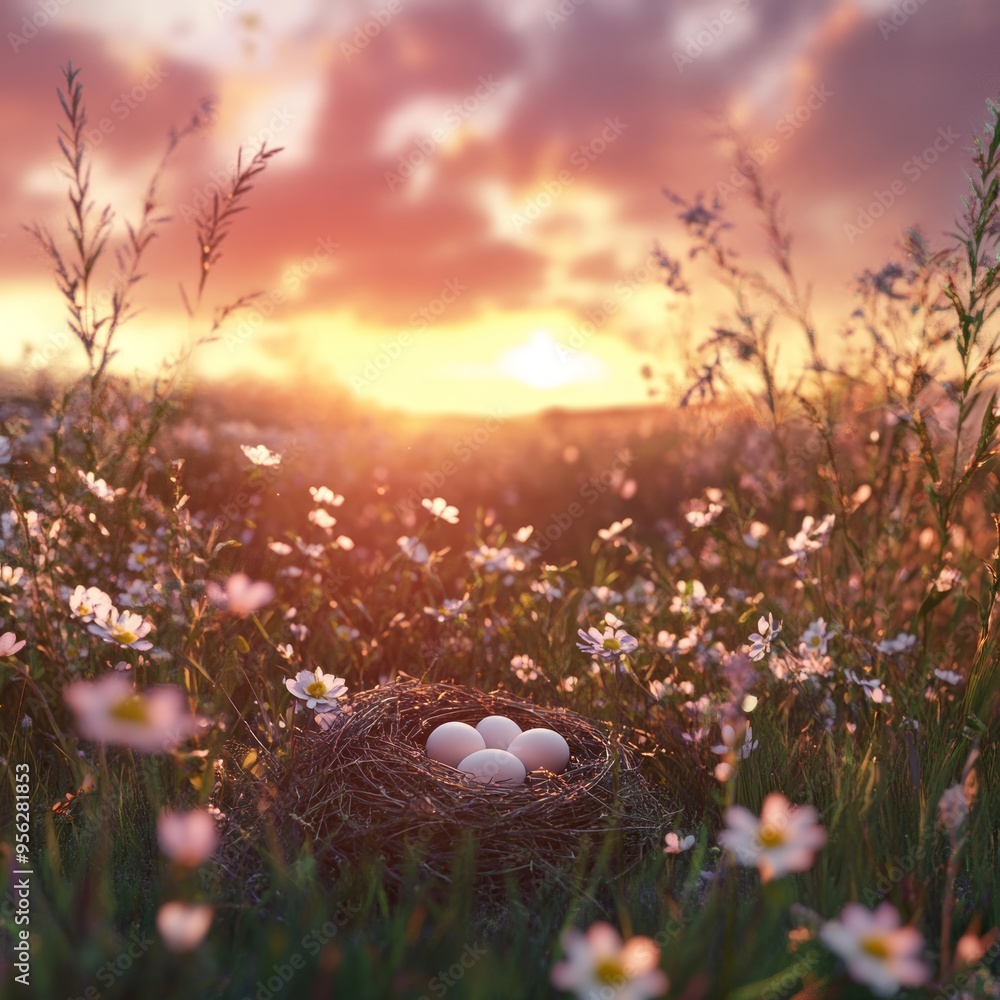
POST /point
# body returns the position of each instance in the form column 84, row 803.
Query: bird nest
column 364, row 789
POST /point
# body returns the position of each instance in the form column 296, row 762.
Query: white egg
column 494, row 767
column 452, row 742
column 498, row 731
column 537, row 748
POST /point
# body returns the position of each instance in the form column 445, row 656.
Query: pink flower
column 110, row 710
column 878, row 952
column 599, row 964
column 189, row 838
column 785, row 838
column 182, row 926
column 9, row 644
column 239, row 595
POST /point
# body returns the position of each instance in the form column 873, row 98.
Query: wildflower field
column 774, row 593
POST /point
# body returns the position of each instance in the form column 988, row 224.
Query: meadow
column 780, row 589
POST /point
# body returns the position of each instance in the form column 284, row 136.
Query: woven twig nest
column 365, row 788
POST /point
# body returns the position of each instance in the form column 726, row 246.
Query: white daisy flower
column 127, row 628
column 90, row 604
column 316, row 688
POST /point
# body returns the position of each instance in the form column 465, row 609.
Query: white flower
column 900, row 644
column 10, row 576
column 812, row 536
column 813, row 641
column 784, row 839
column 9, row 644
column 322, row 494
column 702, row 516
column 948, row 578
column 873, row 688
column 524, row 667
column 599, row 964
column 280, row 548
column 123, row 627
column 239, row 595
column 737, row 741
column 610, row 646
column 607, row 534
column 90, row 604
column 452, row 607
column 547, row 589
column 413, row 549
column 948, row 676
column 261, row 455
column 523, row 534
column 877, row 951
column 440, row 508
column 754, row 533
column 676, row 844
column 760, row 641
column 183, row 926
column 189, row 838
column 140, row 557
column 326, row 720
column 110, row 710
column 99, row 487
column 953, row 807
column 316, row 688
column 322, row 518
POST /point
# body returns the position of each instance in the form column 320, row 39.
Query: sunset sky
column 466, row 183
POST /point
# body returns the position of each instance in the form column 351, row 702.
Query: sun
column 544, row 363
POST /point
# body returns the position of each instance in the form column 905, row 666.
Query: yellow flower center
column 610, row 972
column 316, row 690
column 612, row 644
column 875, row 947
column 84, row 609
column 123, row 635
column 770, row 836
column 131, row 709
